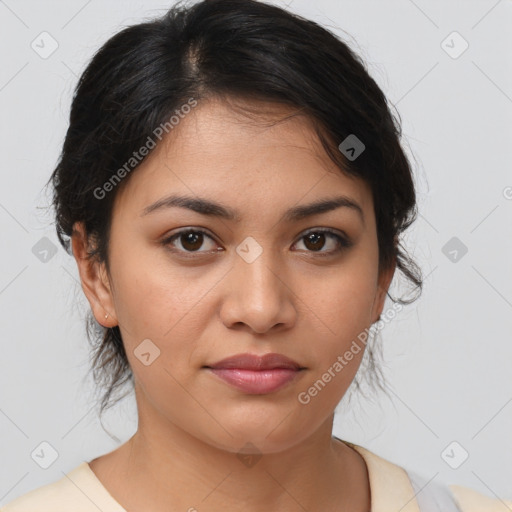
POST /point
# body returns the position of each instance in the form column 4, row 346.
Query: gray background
column 447, row 356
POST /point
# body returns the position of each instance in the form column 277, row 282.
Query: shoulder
column 53, row 497
column 470, row 500
column 394, row 487
column 437, row 496
column 77, row 490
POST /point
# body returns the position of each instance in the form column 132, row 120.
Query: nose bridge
column 254, row 267
column 256, row 271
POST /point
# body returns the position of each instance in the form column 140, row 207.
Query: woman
column 233, row 188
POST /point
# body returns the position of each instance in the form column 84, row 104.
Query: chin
column 258, row 441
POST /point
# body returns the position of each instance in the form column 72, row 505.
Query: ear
column 94, row 279
column 384, row 281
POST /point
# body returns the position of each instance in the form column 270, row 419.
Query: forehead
column 230, row 151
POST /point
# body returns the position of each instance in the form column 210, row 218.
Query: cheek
column 341, row 311
column 341, row 317
column 343, row 301
column 145, row 288
column 161, row 302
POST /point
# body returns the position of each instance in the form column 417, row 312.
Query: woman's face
column 264, row 281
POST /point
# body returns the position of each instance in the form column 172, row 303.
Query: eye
column 317, row 238
column 189, row 241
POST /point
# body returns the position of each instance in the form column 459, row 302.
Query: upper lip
column 256, row 362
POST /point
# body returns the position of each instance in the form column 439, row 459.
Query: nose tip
column 256, row 296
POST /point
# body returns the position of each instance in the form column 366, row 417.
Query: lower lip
column 256, row 382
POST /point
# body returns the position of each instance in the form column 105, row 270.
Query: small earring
column 106, row 316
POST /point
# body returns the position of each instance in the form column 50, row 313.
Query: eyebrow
column 214, row 209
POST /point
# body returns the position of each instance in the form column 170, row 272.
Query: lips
column 255, row 362
column 255, row 374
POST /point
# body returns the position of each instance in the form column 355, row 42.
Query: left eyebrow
column 322, row 206
column 214, row 209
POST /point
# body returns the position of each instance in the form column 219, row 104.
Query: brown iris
column 191, row 240
column 317, row 240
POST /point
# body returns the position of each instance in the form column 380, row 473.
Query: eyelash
column 343, row 243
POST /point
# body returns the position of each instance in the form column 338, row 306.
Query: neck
column 164, row 467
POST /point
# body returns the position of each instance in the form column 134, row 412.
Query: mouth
column 255, row 374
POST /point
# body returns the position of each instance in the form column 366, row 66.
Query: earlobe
column 94, row 279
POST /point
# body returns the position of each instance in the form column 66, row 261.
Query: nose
column 258, row 296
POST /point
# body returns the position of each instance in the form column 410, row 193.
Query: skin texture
column 201, row 309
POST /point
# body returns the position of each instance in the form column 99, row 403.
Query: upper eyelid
column 331, row 231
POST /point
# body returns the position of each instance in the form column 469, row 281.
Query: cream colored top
column 80, row 490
